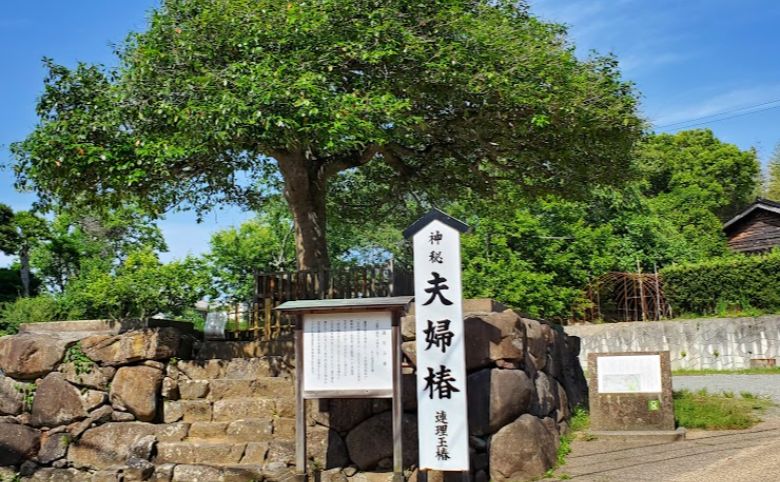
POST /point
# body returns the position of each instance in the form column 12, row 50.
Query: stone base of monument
column 631, row 397
column 645, row 436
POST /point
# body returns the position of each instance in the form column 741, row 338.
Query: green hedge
column 722, row 285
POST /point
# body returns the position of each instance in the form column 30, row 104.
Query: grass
column 741, row 371
column 579, row 422
column 722, row 411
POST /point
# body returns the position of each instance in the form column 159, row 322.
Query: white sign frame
column 330, row 334
column 629, row 373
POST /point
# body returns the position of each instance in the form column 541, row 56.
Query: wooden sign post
column 441, row 357
column 347, row 349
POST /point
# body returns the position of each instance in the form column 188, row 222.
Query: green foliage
column 537, row 256
column 725, row 285
column 8, row 235
column 718, row 176
column 11, row 284
column 140, row 287
column 578, row 423
column 82, row 233
column 75, row 354
column 442, row 95
column 772, row 187
column 264, row 243
column 29, row 310
column 716, row 411
column 28, row 394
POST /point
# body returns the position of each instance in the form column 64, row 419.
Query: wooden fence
column 274, row 288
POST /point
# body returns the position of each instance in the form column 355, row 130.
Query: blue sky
column 713, row 61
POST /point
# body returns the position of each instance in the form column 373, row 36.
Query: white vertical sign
column 441, row 363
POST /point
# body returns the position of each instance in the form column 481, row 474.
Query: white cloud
column 642, row 36
column 710, row 103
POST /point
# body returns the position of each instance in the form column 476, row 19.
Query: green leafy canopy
column 450, row 95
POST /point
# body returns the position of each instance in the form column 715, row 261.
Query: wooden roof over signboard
column 352, row 304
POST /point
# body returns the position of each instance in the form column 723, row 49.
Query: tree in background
column 82, row 233
column 539, row 253
column 265, row 243
column 717, row 176
column 141, row 286
column 30, row 231
column 8, row 239
column 772, row 187
column 439, row 97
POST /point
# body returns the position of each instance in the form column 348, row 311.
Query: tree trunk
column 24, row 271
column 305, row 188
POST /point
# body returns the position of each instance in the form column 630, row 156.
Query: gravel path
column 727, row 455
column 767, row 385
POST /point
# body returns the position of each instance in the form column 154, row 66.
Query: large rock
column 493, row 337
column 522, row 450
column 573, row 377
column 56, row 402
column 197, row 473
column 135, row 390
column 147, row 344
column 372, row 441
column 95, row 377
column 497, row 397
column 535, row 342
column 11, row 397
column 546, row 395
column 342, row 414
column 17, row 443
column 28, row 356
column 54, row 446
column 108, row 445
column 326, row 448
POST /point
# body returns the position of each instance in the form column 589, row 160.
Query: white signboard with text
column 441, row 364
column 629, row 374
column 348, row 352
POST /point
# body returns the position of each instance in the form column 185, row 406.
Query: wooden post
column 398, row 453
column 658, row 314
column 300, row 406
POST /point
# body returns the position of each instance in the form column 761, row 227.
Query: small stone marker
column 631, row 394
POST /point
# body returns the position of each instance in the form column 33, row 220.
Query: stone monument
column 631, row 395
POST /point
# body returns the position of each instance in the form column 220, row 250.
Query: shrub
column 737, row 283
column 140, row 287
column 28, row 310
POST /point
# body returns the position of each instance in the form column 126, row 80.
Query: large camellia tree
column 218, row 94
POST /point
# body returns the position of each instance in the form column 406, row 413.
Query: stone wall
column 719, row 343
column 155, row 404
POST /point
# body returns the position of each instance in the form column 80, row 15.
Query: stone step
column 235, row 368
column 244, row 430
column 230, row 473
column 265, row 453
column 212, row 453
column 228, row 410
column 223, row 388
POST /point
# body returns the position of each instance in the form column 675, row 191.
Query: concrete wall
column 720, row 343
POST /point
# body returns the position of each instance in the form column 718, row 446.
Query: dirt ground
column 704, row 456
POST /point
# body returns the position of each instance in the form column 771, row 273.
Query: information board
column 347, row 354
column 629, row 374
